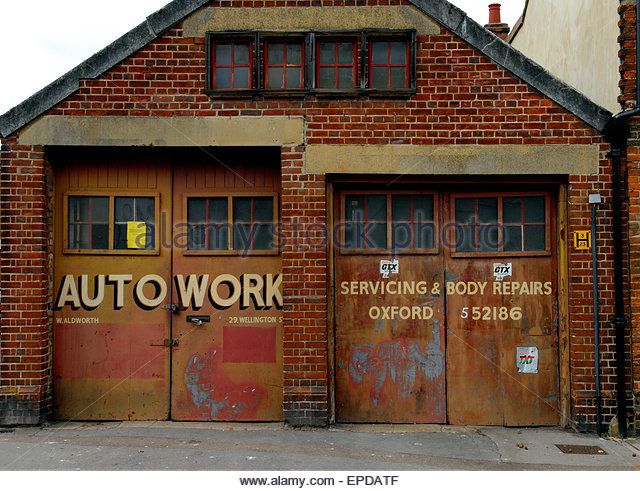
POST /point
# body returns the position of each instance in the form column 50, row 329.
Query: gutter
column 617, row 133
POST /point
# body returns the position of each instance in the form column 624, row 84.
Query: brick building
column 309, row 211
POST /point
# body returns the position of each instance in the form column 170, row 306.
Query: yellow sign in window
column 582, row 240
column 136, row 235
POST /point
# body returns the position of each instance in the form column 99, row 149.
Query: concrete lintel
column 309, row 18
column 453, row 159
column 164, row 132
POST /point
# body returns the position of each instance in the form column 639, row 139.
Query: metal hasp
column 594, row 201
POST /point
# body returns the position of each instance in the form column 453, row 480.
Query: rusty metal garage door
column 416, row 270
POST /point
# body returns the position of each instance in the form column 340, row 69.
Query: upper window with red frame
column 284, row 64
column 389, row 64
column 231, row 64
column 337, row 64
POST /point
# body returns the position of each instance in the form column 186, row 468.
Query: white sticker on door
column 389, row 267
column 527, row 360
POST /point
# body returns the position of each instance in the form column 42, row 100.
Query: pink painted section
column 215, row 396
column 249, row 345
column 109, row 351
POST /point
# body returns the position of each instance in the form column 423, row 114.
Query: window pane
column 354, row 208
column 354, row 236
column 196, row 211
column 79, row 236
column 465, row 211
column 218, row 237
column 345, row 78
column 196, row 238
column 241, row 78
column 512, row 238
column 345, row 53
column 512, row 210
column 379, row 53
column 223, row 78
column 124, row 210
column 100, row 236
column 398, row 53
column 423, row 208
column 377, row 208
column 241, row 54
column 488, row 239
column 327, row 78
column 534, row 209
column 275, row 53
column 241, row 237
column 379, row 78
column 99, row 209
column 398, row 78
column 423, row 236
column 151, row 237
column 223, row 54
column 377, row 236
column 464, row 239
column 294, row 54
column 78, row 209
column 401, row 208
column 534, row 238
column 487, row 210
column 218, row 210
column 401, row 236
column 294, row 80
column 263, row 237
column 120, row 236
column 263, row 209
column 274, row 78
column 241, row 209
column 145, row 210
column 327, row 53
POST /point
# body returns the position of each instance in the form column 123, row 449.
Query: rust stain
column 398, row 362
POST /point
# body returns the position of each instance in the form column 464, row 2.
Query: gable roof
column 440, row 11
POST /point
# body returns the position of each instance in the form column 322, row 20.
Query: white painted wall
column 576, row 40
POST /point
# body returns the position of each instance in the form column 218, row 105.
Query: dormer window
column 284, row 64
column 337, row 64
column 389, row 66
column 369, row 63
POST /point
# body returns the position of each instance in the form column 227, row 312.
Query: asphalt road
column 269, row 447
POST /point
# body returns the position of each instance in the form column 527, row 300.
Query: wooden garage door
column 477, row 271
column 110, row 362
column 227, row 358
column 389, row 310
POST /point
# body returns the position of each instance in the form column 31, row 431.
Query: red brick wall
column 25, row 339
column 627, row 99
column 462, row 98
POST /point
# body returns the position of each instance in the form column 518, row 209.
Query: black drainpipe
column 617, row 133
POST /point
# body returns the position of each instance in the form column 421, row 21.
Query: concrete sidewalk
column 207, row 446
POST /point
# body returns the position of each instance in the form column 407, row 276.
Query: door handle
column 198, row 320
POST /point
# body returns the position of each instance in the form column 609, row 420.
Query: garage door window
column 106, row 223
column 232, row 225
column 387, row 223
column 134, row 223
column 507, row 224
column 88, row 222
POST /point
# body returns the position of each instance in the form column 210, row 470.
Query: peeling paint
column 396, row 362
column 223, row 398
